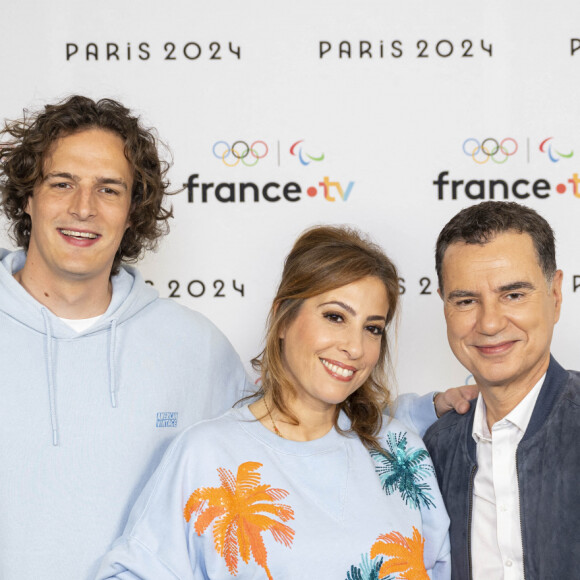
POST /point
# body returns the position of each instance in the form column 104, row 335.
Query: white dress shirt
column 496, row 536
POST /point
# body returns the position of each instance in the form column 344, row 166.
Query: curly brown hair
column 24, row 144
column 322, row 259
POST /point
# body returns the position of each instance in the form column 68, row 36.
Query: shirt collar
column 519, row 416
column 480, row 429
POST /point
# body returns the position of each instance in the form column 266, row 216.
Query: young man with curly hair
column 98, row 372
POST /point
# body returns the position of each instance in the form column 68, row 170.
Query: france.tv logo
column 253, row 153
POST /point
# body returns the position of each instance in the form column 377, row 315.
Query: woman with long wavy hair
column 310, row 479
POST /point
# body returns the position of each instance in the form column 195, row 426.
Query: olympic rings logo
column 490, row 148
column 249, row 155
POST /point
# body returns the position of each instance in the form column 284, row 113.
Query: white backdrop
column 376, row 99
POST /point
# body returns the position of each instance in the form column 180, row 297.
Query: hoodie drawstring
column 50, row 377
column 50, row 372
column 112, row 344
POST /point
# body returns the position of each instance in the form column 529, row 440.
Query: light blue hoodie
column 86, row 417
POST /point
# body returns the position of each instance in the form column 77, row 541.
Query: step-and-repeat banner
column 389, row 116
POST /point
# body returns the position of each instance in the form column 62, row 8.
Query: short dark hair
column 324, row 258
column 479, row 224
column 24, row 144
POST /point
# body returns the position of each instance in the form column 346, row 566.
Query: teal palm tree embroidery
column 404, row 469
column 368, row 570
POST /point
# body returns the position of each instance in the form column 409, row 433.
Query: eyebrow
column 98, row 180
column 520, row 285
column 516, row 286
column 64, row 175
column 460, row 294
column 351, row 310
column 112, row 181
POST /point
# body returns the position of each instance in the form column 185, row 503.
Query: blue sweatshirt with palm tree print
column 231, row 499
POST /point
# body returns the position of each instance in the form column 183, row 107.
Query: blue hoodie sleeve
column 137, row 563
column 442, row 569
column 155, row 544
column 414, row 411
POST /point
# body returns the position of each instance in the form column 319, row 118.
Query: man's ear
column 556, row 293
column 129, row 222
column 27, row 208
column 440, row 293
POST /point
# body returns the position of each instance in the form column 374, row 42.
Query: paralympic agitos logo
column 260, row 153
column 493, row 151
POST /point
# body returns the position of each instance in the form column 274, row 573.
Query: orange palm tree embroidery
column 402, row 555
column 238, row 508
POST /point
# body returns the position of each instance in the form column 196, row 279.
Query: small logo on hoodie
column 167, row 419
